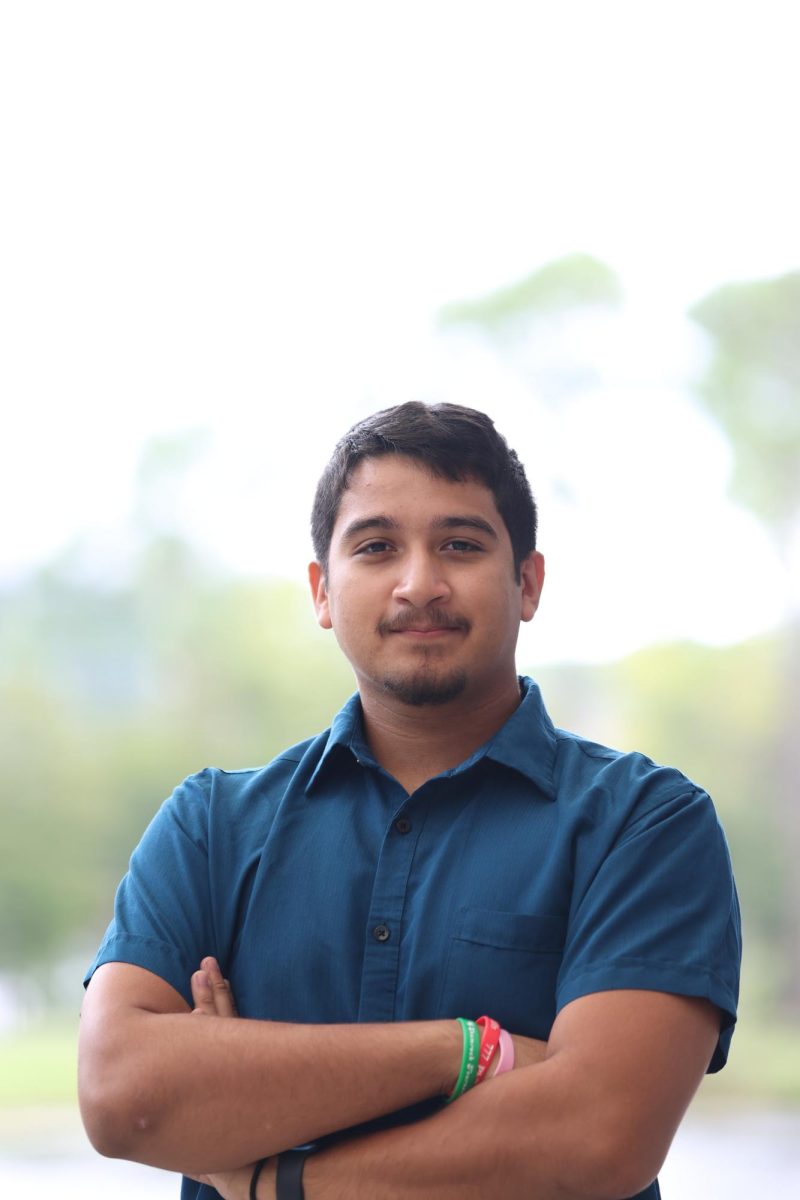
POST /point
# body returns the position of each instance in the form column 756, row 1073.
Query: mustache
column 429, row 618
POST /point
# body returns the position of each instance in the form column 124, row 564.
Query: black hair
column 454, row 443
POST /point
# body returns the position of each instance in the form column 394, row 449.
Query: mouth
column 431, row 632
column 435, row 626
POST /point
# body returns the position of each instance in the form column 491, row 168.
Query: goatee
column 424, row 688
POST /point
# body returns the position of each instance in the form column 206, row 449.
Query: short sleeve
column 660, row 913
column 162, row 911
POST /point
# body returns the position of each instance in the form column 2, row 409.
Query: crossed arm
column 588, row 1116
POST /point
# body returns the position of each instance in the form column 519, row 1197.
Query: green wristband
column 470, row 1059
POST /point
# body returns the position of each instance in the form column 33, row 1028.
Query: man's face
column 420, row 589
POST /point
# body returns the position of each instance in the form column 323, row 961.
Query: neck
column 415, row 744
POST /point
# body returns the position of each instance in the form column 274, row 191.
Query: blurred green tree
column 547, row 324
column 111, row 692
column 562, row 287
column 752, row 388
column 108, row 697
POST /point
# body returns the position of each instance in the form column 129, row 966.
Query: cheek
column 506, row 619
column 350, row 616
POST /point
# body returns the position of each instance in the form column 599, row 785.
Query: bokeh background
column 231, row 231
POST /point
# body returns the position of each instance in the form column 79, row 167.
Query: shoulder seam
column 592, row 749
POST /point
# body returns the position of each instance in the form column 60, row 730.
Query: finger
column 202, row 994
column 224, row 1005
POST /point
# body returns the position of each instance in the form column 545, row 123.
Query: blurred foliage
column 109, row 696
column 546, row 326
column 575, row 282
column 752, row 387
column 39, row 1066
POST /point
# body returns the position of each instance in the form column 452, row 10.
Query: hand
column 213, row 997
column 235, row 1185
column 211, row 993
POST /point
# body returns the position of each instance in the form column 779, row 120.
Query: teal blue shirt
column 541, row 869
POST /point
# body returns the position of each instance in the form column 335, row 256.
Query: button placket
column 382, row 951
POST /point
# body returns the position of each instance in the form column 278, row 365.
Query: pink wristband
column 506, row 1060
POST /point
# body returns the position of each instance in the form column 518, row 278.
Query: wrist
column 486, row 1050
column 289, row 1172
column 262, row 1180
column 470, row 1059
column 452, row 1049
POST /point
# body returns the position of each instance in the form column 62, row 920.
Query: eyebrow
column 466, row 522
column 378, row 522
column 457, row 521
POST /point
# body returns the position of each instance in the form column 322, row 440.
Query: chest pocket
column 506, row 965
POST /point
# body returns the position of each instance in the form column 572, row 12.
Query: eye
column 462, row 546
column 370, row 549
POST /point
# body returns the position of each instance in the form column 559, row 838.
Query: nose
column 422, row 580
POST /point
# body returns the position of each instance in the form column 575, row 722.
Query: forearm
column 193, row 1094
column 593, row 1121
column 524, row 1135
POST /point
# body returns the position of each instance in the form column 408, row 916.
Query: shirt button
column 402, row 825
column 381, row 933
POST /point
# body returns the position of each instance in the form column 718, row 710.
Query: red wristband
column 490, row 1036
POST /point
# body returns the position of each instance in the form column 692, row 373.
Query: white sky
column 243, row 218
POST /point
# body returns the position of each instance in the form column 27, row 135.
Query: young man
column 441, row 852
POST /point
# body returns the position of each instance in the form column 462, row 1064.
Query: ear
column 531, row 582
column 319, row 595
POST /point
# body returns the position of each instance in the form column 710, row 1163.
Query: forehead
column 406, row 491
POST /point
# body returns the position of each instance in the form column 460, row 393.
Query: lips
column 428, row 632
column 430, row 624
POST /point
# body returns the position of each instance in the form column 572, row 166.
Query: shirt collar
column 345, row 735
column 526, row 742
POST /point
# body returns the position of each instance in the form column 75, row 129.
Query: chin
column 425, row 689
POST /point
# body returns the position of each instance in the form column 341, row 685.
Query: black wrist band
column 289, row 1179
column 254, row 1178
